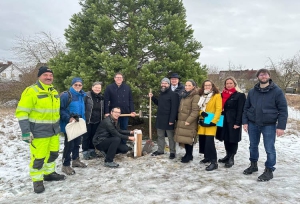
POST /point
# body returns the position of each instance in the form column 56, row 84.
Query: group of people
column 181, row 116
column 43, row 113
column 189, row 114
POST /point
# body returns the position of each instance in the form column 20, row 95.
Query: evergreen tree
column 145, row 40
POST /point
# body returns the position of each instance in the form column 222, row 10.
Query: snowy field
column 154, row 179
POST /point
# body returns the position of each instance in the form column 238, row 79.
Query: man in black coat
column 176, row 86
column 265, row 112
column 108, row 137
column 167, row 111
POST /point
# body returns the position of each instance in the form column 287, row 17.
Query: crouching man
column 107, row 138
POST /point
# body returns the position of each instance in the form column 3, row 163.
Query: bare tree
column 39, row 48
column 286, row 72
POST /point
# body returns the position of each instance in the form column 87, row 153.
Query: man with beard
column 167, row 102
column 265, row 112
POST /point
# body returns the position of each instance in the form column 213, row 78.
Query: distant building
column 9, row 72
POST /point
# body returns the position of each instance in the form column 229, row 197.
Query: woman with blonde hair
column 210, row 103
column 233, row 101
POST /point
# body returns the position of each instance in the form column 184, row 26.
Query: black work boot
column 225, row 159
column 252, row 168
column 266, row 176
column 38, row 186
column 230, row 161
column 54, row 177
column 213, row 165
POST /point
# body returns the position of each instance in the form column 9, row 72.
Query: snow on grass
column 154, row 179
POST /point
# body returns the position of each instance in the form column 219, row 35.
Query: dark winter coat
column 233, row 111
column 179, row 90
column 167, row 109
column 109, row 128
column 90, row 110
column 188, row 112
column 121, row 96
column 266, row 106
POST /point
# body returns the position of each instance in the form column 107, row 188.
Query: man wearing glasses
column 38, row 115
column 265, row 112
column 69, row 112
column 108, row 137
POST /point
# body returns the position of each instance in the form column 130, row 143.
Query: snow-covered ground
column 154, row 179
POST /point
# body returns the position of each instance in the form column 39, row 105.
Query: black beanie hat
column 43, row 69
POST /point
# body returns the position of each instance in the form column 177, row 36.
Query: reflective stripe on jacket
column 38, row 110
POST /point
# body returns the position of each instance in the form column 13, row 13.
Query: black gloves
column 203, row 114
column 75, row 116
column 201, row 123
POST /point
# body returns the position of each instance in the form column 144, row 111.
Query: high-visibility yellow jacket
column 38, row 110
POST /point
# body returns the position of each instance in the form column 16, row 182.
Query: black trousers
column 207, row 147
column 188, row 149
column 112, row 146
column 231, row 148
column 87, row 138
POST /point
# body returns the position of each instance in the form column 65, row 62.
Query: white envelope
column 75, row 129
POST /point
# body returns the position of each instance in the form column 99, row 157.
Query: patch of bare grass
column 293, row 100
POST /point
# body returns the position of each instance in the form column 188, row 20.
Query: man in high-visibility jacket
column 38, row 115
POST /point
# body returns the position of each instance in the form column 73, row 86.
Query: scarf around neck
column 204, row 99
column 226, row 93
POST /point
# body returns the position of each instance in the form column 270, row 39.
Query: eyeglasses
column 118, row 77
column 79, row 85
column 264, row 74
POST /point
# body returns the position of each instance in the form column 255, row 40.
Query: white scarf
column 204, row 99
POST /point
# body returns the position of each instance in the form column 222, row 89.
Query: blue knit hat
column 76, row 79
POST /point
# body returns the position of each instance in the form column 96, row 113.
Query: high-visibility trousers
column 43, row 153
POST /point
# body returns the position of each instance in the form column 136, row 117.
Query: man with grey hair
column 167, row 102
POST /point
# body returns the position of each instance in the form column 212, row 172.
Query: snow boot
column 54, row 177
column 266, row 176
column 111, row 164
column 252, row 168
column 213, row 165
column 86, row 155
column 230, row 161
column 172, row 156
column 38, row 186
column 78, row 163
column 92, row 153
column 67, row 170
column 225, row 159
column 187, row 159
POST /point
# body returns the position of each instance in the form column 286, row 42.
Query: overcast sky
column 243, row 33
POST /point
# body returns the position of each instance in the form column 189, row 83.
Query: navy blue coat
column 266, row 106
column 121, row 96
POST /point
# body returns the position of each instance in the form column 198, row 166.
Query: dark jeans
column 269, row 136
column 207, row 147
column 231, row 148
column 123, row 122
column 71, row 147
column 87, row 138
column 112, row 146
